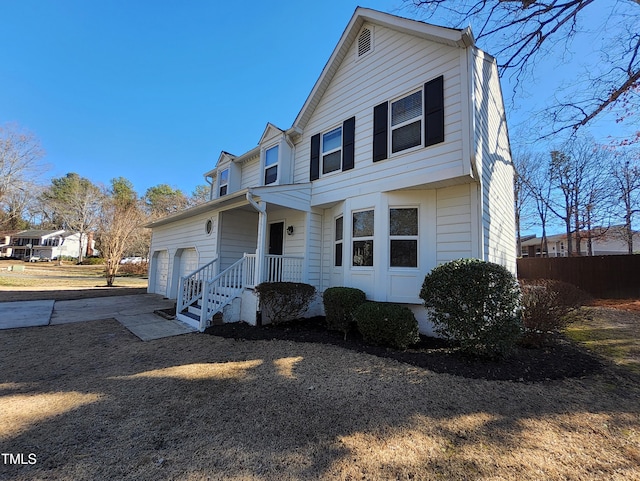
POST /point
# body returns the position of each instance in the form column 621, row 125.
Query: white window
column 403, row 237
column 332, row 151
column 406, row 122
column 223, row 183
column 338, row 241
column 362, row 238
column 271, row 165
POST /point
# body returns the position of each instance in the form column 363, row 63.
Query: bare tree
column 577, row 175
column 120, row 218
column 561, row 175
column 522, row 193
column 523, row 31
column 20, row 166
column 77, row 203
column 536, row 180
column 15, row 206
column 625, row 172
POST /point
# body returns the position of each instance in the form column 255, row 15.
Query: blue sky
column 153, row 90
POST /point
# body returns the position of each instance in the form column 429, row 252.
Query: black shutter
column 434, row 111
column 348, row 144
column 380, row 136
column 315, row 157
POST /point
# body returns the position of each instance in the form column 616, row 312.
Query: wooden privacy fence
column 615, row 276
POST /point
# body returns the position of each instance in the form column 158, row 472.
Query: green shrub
column 476, row 303
column 92, row 261
column 284, row 301
column 339, row 305
column 546, row 304
column 386, row 324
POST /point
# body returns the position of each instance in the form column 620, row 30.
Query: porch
column 206, row 292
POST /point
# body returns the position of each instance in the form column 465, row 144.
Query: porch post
column 261, row 244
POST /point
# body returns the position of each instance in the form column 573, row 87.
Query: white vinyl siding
column 182, row 234
column 494, row 156
column 358, row 86
column 313, row 253
column 454, row 220
column 251, row 173
column 238, row 235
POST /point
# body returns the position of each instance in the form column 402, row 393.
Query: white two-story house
column 398, row 161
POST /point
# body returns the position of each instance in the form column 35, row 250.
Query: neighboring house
column 604, row 241
column 5, row 243
column 46, row 244
column 398, row 161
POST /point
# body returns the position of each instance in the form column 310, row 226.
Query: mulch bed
column 559, row 360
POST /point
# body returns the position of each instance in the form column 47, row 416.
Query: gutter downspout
column 262, row 230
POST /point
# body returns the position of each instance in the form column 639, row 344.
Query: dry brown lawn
column 92, row 402
column 610, row 328
column 48, row 280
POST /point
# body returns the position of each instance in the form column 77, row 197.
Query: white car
column 131, row 260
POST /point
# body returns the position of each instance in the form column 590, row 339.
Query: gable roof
column 34, row 233
column 270, row 131
column 462, row 38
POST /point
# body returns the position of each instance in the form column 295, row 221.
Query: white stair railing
column 250, row 271
column 190, row 286
column 221, row 291
column 215, row 292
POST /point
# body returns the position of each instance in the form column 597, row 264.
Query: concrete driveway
column 136, row 313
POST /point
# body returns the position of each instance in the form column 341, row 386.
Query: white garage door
column 161, row 272
column 188, row 261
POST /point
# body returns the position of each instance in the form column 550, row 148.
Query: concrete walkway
column 133, row 312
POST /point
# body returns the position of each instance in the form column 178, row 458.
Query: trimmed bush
column 386, row 324
column 92, row 261
column 339, row 306
column 284, row 301
column 546, row 304
column 476, row 303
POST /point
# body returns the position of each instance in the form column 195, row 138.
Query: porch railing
column 283, row 269
column 215, row 291
column 190, row 286
column 275, row 269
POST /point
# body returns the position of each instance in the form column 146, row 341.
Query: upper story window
column 332, row 151
column 416, row 119
column 406, row 122
column 271, row 165
column 223, row 183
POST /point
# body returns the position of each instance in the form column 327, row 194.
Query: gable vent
column 364, row 42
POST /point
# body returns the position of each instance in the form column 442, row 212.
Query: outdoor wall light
column 290, row 230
